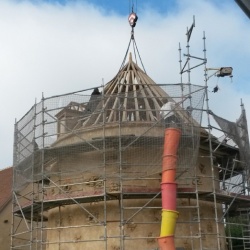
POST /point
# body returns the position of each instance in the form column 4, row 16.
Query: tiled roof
column 5, row 186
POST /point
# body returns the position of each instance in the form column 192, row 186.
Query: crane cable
column 131, row 5
column 132, row 19
column 123, row 62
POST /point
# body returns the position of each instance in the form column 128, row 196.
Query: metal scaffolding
column 87, row 169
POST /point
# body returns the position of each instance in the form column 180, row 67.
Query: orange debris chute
column 168, row 189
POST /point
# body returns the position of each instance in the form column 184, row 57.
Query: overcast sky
column 55, row 47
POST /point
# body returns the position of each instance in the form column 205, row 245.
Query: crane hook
column 132, row 19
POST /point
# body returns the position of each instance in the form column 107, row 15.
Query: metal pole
column 42, row 171
column 32, row 176
column 104, row 166
column 120, row 109
column 210, row 145
column 13, row 186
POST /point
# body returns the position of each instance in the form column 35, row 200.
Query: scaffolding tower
column 87, row 168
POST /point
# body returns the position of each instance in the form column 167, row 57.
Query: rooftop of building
column 6, row 176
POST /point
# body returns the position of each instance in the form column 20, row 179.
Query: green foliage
column 234, row 229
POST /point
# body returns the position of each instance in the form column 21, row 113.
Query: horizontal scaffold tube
column 168, row 189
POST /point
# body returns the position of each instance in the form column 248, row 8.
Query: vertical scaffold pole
column 33, row 179
column 42, row 170
column 120, row 172
column 13, row 182
column 210, row 145
column 104, row 166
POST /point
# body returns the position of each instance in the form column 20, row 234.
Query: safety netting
column 238, row 132
column 117, row 134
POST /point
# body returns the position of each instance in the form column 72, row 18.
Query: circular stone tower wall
column 106, row 191
column 107, row 188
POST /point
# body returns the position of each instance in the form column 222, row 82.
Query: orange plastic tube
column 171, row 144
column 166, row 242
column 168, row 176
column 171, row 141
column 169, row 162
column 168, row 196
column 168, row 189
